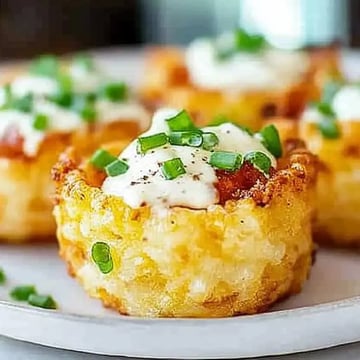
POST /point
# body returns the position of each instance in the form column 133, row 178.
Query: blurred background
column 30, row 27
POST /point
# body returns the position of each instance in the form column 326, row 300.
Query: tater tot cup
column 337, row 190
column 167, row 83
column 26, row 186
column 239, row 258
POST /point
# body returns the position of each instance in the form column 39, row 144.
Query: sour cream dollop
column 269, row 69
column 345, row 104
column 62, row 119
column 144, row 182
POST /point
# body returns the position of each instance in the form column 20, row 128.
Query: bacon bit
column 232, row 185
column 11, row 143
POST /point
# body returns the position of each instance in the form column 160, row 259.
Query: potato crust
column 337, row 190
column 26, row 186
column 167, row 83
column 223, row 261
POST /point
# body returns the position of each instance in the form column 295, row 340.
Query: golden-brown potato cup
column 227, row 260
column 167, row 83
column 338, row 196
column 26, row 187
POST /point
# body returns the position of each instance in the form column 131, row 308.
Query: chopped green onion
column 259, row 160
column 246, row 42
column 88, row 113
column 7, row 93
column 84, row 105
column 24, row 104
column 329, row 128
column 65, row 83
column 101, row 255
column 226, row 160
column 328, row 125
column 271, row 140
column 42, row 301
column 62, row 98
column 2, row 277
column 22, row 293
column 116, row 91
column 147, row 143
column 210, row 140
column 116, row 168
column 186, row 138
column 173, row 168
column 45, row 65
column 84, row 61
column 181, row 122
column 329, row 91
column 40, row 122
column 101, row 158
column 325, row 109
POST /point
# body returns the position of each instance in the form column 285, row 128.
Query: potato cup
column 331, row 130
column 192, row 248
column 38, row 120
column 244, row 84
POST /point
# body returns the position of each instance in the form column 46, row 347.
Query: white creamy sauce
column 64, row 120
column 268, row 69
column 84, row 80
column 37, row 85
column 144, row 182
column 345, row 104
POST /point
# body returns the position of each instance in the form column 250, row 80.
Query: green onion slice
column 7, row 94
column 181, row 122
column 115, row 91
column 246, row 42
column 62, row 98
column 173, row 168
column 2, row 277
column 329, row 91
column 147, row 143
column 65, row 83
column 45, row 65
column 101, row 255
column 117, row 167
column 210, row 140
column 40, row 122
column 226, row 160
column 24, row 103
column 329, row 128
column 259, row 160
column 186, row 138
column 101, row 158
column 22, row 293
column 84, row 61
column 271, row 140
column 42, row 301
column 325, row 109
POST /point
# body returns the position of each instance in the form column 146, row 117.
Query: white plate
column 325, row 314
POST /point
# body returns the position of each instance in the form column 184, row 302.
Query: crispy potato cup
column 167, row 83
column 337, row 194
column 227, row 260
column 26, row 187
